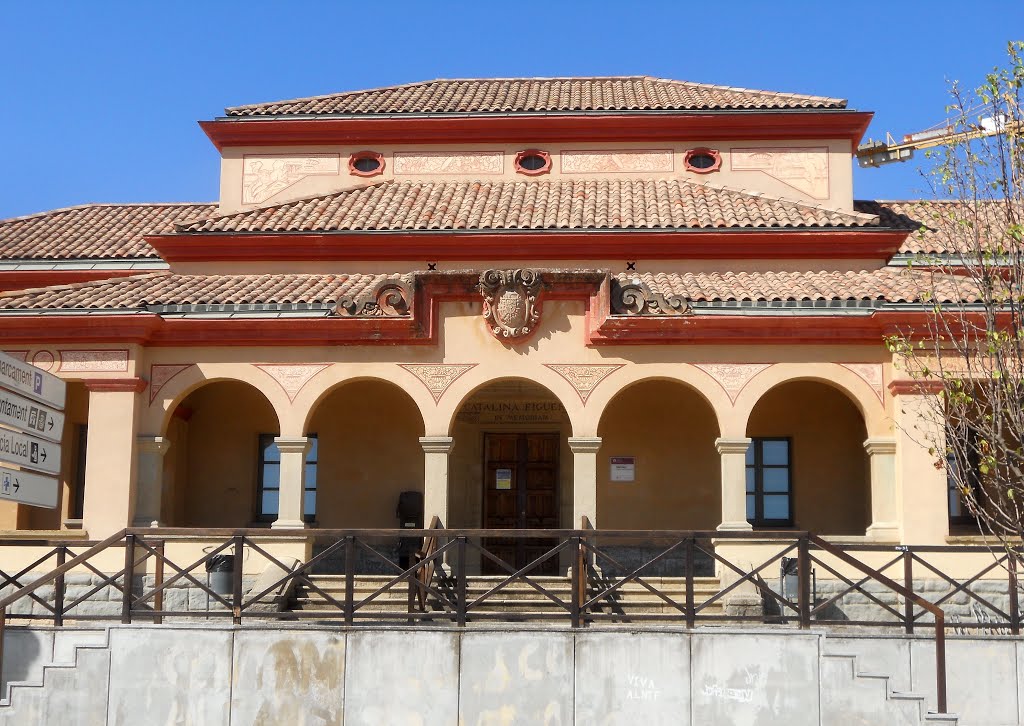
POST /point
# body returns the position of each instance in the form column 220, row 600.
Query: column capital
column 436, row 444
column 584, row 444
column 732, row 446
column 153, row 444
column 880, row 446
column 292, row 444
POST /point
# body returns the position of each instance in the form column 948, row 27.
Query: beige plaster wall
column 671, row 430
column 837, row 193
column 369, row 452
column 829, row 476
column 216, row 487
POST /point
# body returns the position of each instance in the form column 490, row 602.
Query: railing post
column 350, row 579
column 804, row 575
column 58, row 589
column 158, row 582
column 460, row 581
column 691, row 607
column 1014, row 599
column 908, row 583
column 236, row 604
column 940, row 661
column 129, row 578
column 3, row 624
column 577, row 581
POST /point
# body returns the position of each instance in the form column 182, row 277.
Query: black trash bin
column 221, row 571
column 410, row 516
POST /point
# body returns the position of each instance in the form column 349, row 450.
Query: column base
column 735, row 527
column 146, row 522
column 884, row 532
column 288, row 524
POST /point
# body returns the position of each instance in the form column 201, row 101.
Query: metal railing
column 580, row 577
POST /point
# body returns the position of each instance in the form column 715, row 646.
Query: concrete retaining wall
column 485, row 677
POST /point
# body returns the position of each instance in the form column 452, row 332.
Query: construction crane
column 878, row 153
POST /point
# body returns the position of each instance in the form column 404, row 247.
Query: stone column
column 293, row 482
column 110, row 456
column 884, row 517
column 734, row 484
column 149, row 480
column 435, row 478
column 921, row 489
column 584, row 478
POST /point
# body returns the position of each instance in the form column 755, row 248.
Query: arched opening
column 368, row 452
column 70, row 481
column 657, row 466
column 510, row 465
column 218, row 453
column 806, row 466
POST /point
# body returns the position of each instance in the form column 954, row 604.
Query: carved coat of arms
column 511, row 310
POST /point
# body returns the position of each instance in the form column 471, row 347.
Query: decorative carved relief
column 292, row 376
column 625, row 160
column 804, row 169
column 160, row 374
column 454, row 162
column 43, row 359
column 93, row 361
column 265, row 175
column 21, row 355
column 636, row 298
column 732, row 376
column 511, row 310
column 390, row 298
column 584, row 377
column 872, row 375
column 437, row 378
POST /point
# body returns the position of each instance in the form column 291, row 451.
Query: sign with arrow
column 28, row 452
column 25, row 378
column 23, row 414
column 26, row 487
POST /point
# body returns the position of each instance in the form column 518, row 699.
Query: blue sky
column 101, row 99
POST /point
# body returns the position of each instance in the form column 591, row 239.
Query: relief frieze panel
column 437, row 377
column 449, row 162
column 584, row 377
column 732, row 376
column 292, row 376
column 161, row 373
column 803, row 168
column 617, row 161
column 872, row 375
column 266, row 175
column 93, row 361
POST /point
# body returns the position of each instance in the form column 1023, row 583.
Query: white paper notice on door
column 503, row 479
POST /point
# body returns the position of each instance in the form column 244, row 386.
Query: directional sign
column 25, row 378
column 29, row 452
column 26, row 487
column 20, row 413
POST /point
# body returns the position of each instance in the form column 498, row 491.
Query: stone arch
column 872, row 409
column 321, row 386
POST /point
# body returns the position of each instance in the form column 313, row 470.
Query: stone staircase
column 852, row 697
column 516, row 600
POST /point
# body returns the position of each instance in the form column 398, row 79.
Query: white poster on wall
column 623, row 468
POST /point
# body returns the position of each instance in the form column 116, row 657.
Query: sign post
column 31, row 427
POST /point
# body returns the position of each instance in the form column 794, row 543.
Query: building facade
column 629, row 303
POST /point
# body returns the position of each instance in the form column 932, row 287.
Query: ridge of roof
column 426, row 205
column 270, row 108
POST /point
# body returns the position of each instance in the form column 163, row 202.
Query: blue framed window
column 769, row 483
column 268, row 490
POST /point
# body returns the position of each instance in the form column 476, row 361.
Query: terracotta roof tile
column 936, row 224
column 538, row 95
column 92, row 231
column 164, row 288
column 580, row 204
column 891, row 285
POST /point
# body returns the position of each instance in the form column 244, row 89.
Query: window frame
column 966, row 517
column 756, row 446
column 264, row 441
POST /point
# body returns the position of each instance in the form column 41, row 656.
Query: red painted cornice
column 539, row 129
column 531, row 244
column 25, row 279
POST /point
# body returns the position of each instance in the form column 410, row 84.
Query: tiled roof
column 164, row 288
column 936, row 224
column 538, row 95
column 167, row 289
column 92, row 231
column 884, row 285
column 582, row 204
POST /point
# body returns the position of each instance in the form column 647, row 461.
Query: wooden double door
column 521, row 492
